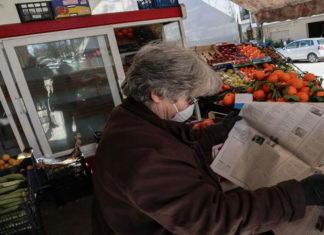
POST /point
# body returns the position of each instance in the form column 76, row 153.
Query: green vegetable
column 11, row 177
column 7, row 184
column 9, row 188
column 13, row 203
column 9, row 209
column 6, row 202
column 18, row 193
column 19, row 215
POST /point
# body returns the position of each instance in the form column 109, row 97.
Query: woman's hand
column 230, row 120
column 314, row 190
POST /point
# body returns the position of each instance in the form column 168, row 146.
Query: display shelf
column 243, row 65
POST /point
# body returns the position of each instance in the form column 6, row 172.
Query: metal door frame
column 19, row 107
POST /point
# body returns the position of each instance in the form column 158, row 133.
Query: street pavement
column 315, row 68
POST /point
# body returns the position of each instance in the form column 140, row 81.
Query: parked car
column 311, row 49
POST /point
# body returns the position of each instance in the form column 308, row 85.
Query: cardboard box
column 68, row 8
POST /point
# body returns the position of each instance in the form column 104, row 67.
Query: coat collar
column 180, row 130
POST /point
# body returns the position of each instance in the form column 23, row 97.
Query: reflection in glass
column 69, row 86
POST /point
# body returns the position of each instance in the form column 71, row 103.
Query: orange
column 12, row 161
column 292, row 90
column 208, row 122
column 305, row 89
column 320, row 93
column 273, row 78
column 298, row 83
column 2, row 162
column 229, row 99
column 285, row 77
column 293, row 75
column 29, row 167
column 265, row 65
column 260, row 75
column 249, row 89
column 270, row 100
column 266, row 88
column 278, row 72
column 303, row 97
column 5, row 157
column 305, row 83
column 309, row 77
column 281, row 99
column 226, row 87
column 259, row 94
column 196, row 126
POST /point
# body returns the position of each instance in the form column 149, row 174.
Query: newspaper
column 275, row 142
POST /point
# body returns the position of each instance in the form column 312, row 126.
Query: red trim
column 13, row 30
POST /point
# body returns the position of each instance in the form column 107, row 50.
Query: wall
column 297, row 29
column 8, row 11
column 210, row 21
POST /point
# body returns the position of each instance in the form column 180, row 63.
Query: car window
column 293, row 45
column 306, row 43
column 321, row 42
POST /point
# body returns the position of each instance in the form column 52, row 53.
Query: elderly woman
column 152, row 174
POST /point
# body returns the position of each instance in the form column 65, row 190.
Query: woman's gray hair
column 169, row 71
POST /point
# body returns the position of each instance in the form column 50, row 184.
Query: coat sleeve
column 175, row 195
column 210, row 136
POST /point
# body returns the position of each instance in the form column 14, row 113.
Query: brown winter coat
column 152, row 176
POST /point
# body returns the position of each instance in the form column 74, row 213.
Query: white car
column 311, row 49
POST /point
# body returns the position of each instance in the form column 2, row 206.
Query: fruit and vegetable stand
column 256, row 69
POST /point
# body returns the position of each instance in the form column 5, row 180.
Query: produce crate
column 232, row 77
column 16, row 169
column 69, row 181
column 35, row 11
column 232, row 53
column 71, row 188
column 58, row 172
column 207, row 104
column 23, row 219
column 211, row 55
column 271, row 52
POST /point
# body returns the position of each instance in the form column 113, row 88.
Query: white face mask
column 184, row 115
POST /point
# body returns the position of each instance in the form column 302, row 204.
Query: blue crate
column 145, row 4
column 166, row 3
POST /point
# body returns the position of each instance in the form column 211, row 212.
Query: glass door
column 68, row 83
column 10, row 140
column 15, row 109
